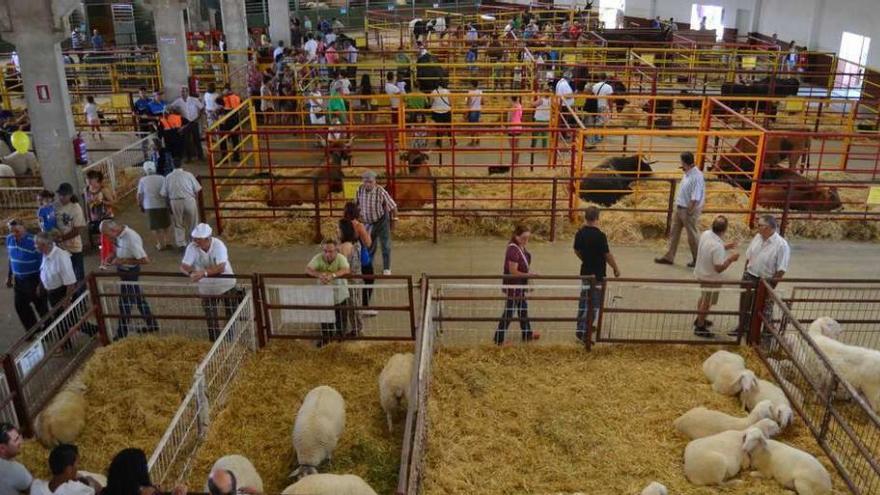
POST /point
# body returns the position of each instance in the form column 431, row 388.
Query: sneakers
column 386, row 272
column 369, row 312
column 702, row 332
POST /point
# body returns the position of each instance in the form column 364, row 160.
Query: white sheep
column 64, row 418
column 827, row 326
column 713, row 459
column 700, row 422
column 857, row 365
column 246, row 476
column 728, row 374
column 655, row 488
column 792, row 468
column 769, row 391
column 319, row 424
column 329, row 484
column 394, row 384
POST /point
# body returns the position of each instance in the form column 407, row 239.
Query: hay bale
column 258, row 418
column 134, row 388
column 592, row 423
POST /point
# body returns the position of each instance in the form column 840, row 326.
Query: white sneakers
column 386, row 272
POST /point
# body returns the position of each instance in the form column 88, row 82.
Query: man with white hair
column 56, row 270
column 767, row 258
column 205, row 262
column 128, row 258
column 181, row 188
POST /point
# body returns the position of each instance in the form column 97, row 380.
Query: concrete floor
column 484, row 256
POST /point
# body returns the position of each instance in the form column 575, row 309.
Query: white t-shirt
column 130, row 245
column 201, row 260
column 311, row 48
column 602, row 88
column 276, row 52
column 563, row 90
column 392, row 89
column 41, row 487
column 91, row 111
column 150, row 187
column 542, row 111
column 710, row 254
column 475, row 100
column 211, row 101
column 440, row 101
column 14, row 477
column 69, row 217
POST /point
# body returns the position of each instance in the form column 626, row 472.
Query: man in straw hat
column 205, row 262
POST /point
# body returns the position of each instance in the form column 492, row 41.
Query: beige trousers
column 682, row 220
column 184, row 218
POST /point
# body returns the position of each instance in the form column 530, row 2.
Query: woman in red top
column 516, row 264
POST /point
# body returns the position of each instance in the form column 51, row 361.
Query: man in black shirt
column 591, row 247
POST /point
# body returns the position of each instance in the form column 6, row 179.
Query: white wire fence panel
column 165, row 307
column 843, row 424
column 471, row 314
column 7, row 408
column 111, row 143
column 426, row 360
column 43, row 364
column 395, row 320
column 857, row 308
column 123, row 168
column 171, row 460
column 665, row 312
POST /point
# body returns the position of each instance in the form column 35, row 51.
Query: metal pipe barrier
column 835, row 413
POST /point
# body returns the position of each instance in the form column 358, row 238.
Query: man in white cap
column 204, row 262
column 181, row 188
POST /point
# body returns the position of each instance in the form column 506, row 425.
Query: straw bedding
column 258, row 418
column 134, row 387
column 555, row 419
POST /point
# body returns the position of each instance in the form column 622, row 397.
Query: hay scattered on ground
column 134, row 388
column 258, row 419
column 555, row 419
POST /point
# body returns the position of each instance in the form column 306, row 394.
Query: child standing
column 93, row 119
column 46, row 211
column 475, row 106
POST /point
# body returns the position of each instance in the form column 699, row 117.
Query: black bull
column 610, row 180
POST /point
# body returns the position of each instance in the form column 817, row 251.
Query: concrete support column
column 756, row 16
column 196, row 16
column 279, row 22
column 812, row 40
column 171, row 45
column 235, row 29
column 37, row 29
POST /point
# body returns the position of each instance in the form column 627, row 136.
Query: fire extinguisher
column 194, row 86
column 80, row 150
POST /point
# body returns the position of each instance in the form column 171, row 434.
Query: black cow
column 429, row 73
column 610, row 180
column 761, row 87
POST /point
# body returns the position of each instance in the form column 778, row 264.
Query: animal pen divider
column 838, row 416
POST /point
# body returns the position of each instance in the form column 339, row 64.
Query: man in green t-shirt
column 329, row 267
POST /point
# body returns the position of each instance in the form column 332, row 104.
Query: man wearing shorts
column 712, row 260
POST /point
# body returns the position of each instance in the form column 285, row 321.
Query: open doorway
column 853, row 56
column 611, row 13
column 714, row 18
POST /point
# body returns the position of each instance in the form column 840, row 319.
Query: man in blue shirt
column 156, row 107
column 97, row 40
column 24, row 274
column 46, row 211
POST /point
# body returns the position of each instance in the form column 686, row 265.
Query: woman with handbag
column 517, row 261
column 355, row 247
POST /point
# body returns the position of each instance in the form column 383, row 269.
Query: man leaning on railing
column 767, row 258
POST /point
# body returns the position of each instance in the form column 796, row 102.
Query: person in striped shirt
column 24, row 274
column 689, row 202
column 377, row 210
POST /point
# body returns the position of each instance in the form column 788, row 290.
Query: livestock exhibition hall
column 440, row 247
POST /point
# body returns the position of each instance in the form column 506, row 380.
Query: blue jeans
column 515, row 304
column 132, row 296
column 380, row 231
column 595, row 302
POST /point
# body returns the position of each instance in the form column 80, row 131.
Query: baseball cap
column 64, row 189
column 202, row 231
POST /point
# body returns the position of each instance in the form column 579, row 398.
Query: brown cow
column 739, row 163
column 299, row 189
column 805, row 195
column 415, row 188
